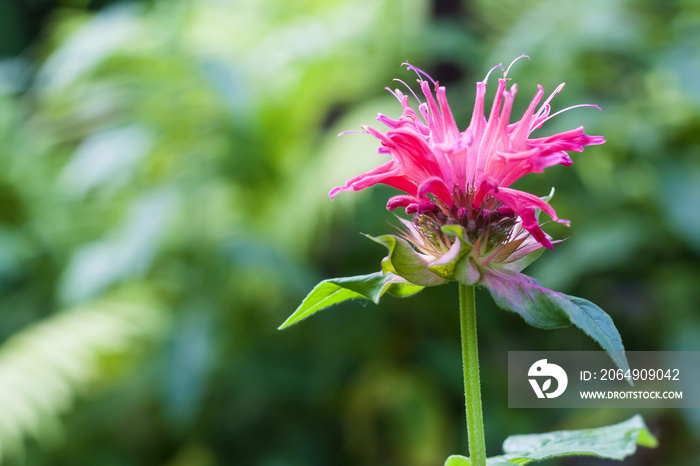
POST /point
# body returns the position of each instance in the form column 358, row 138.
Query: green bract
column 405, row 272
column 405, row 262
column 462, row 262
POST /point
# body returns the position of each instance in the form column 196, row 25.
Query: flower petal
column 524, row 205
column 387, row 173
column 435, row 186
column 400, row 201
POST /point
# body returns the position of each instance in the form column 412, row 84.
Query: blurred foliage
column 163, row 208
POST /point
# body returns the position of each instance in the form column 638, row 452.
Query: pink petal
column 400, row 201
column 438, row 188
column 387, row 173
column 524, row 205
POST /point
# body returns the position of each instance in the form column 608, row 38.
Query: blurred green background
column 163, row 208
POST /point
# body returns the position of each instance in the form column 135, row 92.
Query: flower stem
column 472, row 384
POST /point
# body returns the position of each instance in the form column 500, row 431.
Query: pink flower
column 469, row 173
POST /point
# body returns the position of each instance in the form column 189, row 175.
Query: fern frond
column 45, row 366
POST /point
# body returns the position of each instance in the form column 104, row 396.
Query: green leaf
column 456, row 460
column 336, row 290
column 614, row 442
column 545, row 308
column 399, row 289
column 405, row 262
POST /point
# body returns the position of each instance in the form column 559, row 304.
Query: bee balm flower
column 454, row 177
column 468, row 224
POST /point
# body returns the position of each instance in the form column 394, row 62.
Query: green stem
column 472, row 384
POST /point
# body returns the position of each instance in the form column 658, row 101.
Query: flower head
column 468, row 224
column 453, row 177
